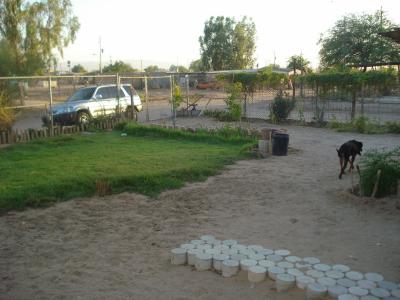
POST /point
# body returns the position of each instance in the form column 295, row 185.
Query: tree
column 32, row 30
column 298, row 62
column 196, row 66
column 153, row 68
column 355, row 40
column 181, row 69
column 78, row 69
column 227, row 44
column 118, row 67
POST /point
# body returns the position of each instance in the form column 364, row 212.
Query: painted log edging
column 20, row 136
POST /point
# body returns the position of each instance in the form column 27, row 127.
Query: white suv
column 92, row 102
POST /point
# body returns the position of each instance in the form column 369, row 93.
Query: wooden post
column 353, row 104
column 187, row 91
column 51, row 106
column 171, row 80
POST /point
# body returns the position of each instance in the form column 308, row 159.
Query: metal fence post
column 187, row 91
column 171, row 80
column 147, row 98
column 51, row 107
column 118, row 103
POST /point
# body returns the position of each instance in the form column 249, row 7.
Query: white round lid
column 207, row 237
column 285, row 265
column 326, row 281
column 295, row 272
column 204, row 256
column 316, row 287
column 266, row 263
column 274, row 257
column 337, row 290
column 282, row 252
column 346, row 282
column 197, row 242
column 315, row 273
column 178, row 251
column 357, row 291
column 188, row 246
column 374, row 276
column 229, row 242
column 348, row 297
column 366, row 284
column 220, row 257
column 369, row 297
column 248, row 262
column 230, row 263
column 245, row 251
column 396, row 292
column 258, row 270
column 380, row 292
column 266, row 251
column 305, row 279
column 334, row 274
column 285, row 277
column 212, row 251
column 204, row 247
column 341, row 268
column 255, row 248
column 194, row 251
column 221, row 247
column 293, row 259
column 238, row 247
column 322, row 267
column 311, row 260
column 276, row 270
column 388, row 285
column 256, row 256
column 214, row 242
column 353, row 275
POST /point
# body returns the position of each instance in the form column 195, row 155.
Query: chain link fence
column 29, row 98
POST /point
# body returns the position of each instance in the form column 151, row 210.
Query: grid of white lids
column 310, row 274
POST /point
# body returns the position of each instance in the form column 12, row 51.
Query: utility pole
column 100, row 52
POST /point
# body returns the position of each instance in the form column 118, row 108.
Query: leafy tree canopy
column 78, row 69
column 32, row 30
column 298, row 62
column 227, row 44
column 196, row 66
column 181, row 69
column 355, row 40
column 153, row 68
column 118, row 67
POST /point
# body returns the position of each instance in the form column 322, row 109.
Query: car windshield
column 82, row 94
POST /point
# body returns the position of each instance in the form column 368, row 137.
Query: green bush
column 389, row 164
column 281, row 107
column 360, row 124
column 392, row 127
column 233, row 101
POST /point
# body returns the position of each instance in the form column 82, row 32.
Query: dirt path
column 118, row 247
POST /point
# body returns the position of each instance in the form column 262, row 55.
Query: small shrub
column 360, row 124
column 281, row 107
column 392, row 127
column 233, row 101
column 6, row 119
column 120, row 126
column 389, row 164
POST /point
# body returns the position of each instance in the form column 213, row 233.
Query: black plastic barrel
column 280, row 143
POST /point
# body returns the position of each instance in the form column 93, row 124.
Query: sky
column 165, row 32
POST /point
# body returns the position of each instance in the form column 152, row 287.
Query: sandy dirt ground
column 117, row 247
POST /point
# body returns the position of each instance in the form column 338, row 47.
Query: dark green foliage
column 227, row 44
column 355, row 39
column 118, row 67
column 149, row 160
column 363, row 124
column 281, row 107
column 389, row 164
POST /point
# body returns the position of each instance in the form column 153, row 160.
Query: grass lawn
column 40, row 172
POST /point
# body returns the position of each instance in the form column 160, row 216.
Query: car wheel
column 83, row 117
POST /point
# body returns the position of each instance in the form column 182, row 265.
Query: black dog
column 347, row 150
